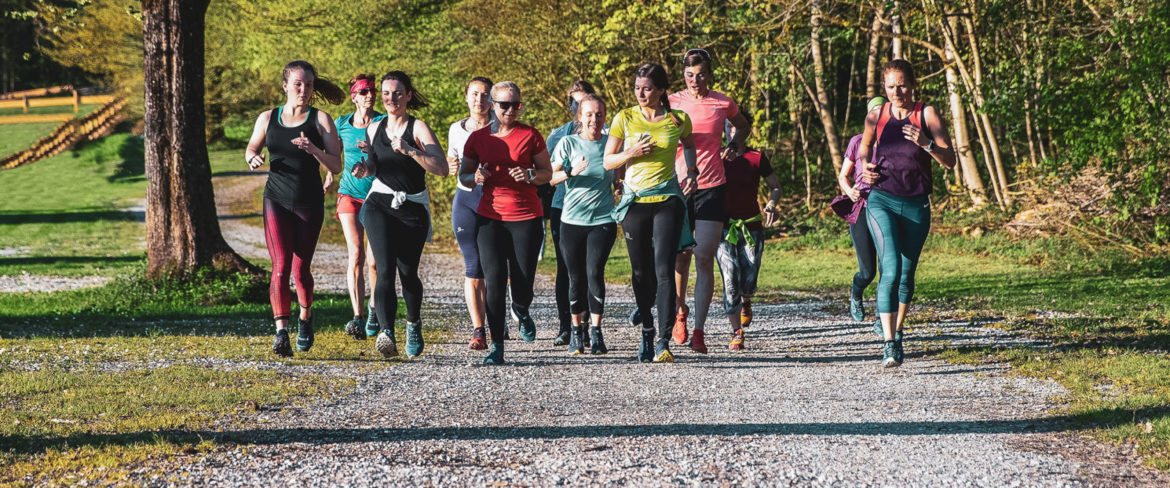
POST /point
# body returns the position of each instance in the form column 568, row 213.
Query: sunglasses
column 363, row 92
column 507, row 105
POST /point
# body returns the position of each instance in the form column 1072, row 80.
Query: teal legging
column 899, row 226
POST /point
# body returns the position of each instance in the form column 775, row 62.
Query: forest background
column 1058, row 108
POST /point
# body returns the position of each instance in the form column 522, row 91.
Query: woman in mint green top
column 587, row 228
column 351, row 195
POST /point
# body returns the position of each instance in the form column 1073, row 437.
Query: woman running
column 397, row 212
column 651, row 209
column 509, row 159
column 905, row 136
column 351, row 194
column 466, row 202
column 709, row 110
column 553, row 212
column 742, row 247
column 857, row 191
column 587, row 228
column 299, row 139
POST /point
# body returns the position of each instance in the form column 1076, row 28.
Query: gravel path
column 805, row 405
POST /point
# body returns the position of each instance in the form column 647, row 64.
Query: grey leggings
column 739, row 264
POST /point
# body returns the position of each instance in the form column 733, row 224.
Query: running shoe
column 496, row 356
column 563, row 336
column 636, row 317
column 680, row 326
column 585, row 339
column 281, row 345
column 899, row 354
column 646, row 348
column 698, row 343
column 305, row 334
column 745, row 314
column 736, row 341
column 856, row 310
column 527, row 328
column 414, row 339
column 372, row 326
column 662, row 352
column 354, row 328
column 478, row 340
column 575, row 339
column 385, row 343
column 877, row 327
column 890, row 355
column 597, row 345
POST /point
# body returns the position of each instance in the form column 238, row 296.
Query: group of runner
column 662, row 169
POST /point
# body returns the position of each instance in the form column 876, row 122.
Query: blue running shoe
column 636, row 317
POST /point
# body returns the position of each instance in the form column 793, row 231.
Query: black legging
column 652, row 232
column 395, row 241
column 508, row 250
column 561, row 285
column 866, row 255
column 586, row 250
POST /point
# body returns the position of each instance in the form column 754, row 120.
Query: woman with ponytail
column 709, row 111
column 643, row 140
column 298, row 138
column 397, row 213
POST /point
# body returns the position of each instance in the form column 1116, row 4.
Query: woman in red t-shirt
column 510, row 159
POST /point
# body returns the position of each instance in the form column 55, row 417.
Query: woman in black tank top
column 299, row 139
column 396, row 214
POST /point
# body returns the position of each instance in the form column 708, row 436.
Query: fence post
column 76, row 102
column 24, row 98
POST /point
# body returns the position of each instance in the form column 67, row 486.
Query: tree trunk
column 896, row 28
column 970, row 168
column 822, row 96
column 872, row 84
column 182, row 228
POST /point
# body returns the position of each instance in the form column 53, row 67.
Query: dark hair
column 695, row 57
column 581, row 86
column 900, row 65
column 323, row 89
column 362, row 76
column 479, row 79
column 417, row 100
column 657, row 75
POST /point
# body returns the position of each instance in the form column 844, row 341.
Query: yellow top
column 652, row 169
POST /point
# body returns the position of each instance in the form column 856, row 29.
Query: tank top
column 904, row 168
column 399, row 172
column 294, row 178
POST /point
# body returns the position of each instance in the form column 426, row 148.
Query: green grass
column 83, row 110
column 18, row 137
column 63, row 216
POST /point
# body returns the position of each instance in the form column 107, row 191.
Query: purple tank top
column 904, row 167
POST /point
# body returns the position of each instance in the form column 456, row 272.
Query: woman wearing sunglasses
column 299, row 139
column 351, row 194
column 397, row 214
column 463, row 208
column 643, row 139
column 510, row 160
column 709, row 111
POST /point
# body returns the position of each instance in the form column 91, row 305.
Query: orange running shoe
column 697, row 343
column 680, row 326
column 745, row 315
column 736, row 341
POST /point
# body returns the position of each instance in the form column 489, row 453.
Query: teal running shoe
column 636, row 317
column 890, row 355
column 372, row 326
column 597, row 342
column 495, row 357
column 386, row 344
column 646, row 348
column 353, row 328
column 527, row 328
column 305, row 334
column 877, row 327
column 899, row 354
column 414, row 340
column 856, row 309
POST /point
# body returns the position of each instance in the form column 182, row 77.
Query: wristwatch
column 531, row 175
column 929, row 147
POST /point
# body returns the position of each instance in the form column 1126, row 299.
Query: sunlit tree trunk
column 872, row 84
column 822, row 95
column 962, row 139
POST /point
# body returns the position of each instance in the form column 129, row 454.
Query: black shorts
column 708, row 204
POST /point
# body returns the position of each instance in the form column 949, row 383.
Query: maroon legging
column 291, row 236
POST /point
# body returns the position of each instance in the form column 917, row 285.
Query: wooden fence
column 97, row 124
column 36, row 92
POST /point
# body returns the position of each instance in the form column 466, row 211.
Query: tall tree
column 182, row 228
column 822, row 95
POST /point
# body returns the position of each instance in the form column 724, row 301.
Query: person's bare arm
column 431, row 156
column 253, row 155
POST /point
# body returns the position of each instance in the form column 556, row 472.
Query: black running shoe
column 354, row 328
column 562, row 338
column 575, row 346
column 305, row 334
column 281, row 346
column 598, row 342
